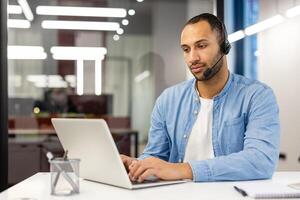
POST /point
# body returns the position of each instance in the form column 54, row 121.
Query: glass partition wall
column 106, row 59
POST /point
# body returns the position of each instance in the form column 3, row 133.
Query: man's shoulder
column 242, row 82
column 179, row 88
column 177, row 93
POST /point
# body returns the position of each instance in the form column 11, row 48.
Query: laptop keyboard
column 145, row 181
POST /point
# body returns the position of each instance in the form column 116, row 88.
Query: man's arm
column 260, row 154
column 158, row 140
column 153, row 161
column 151, row 166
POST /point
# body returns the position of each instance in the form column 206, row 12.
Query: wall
column 278, row 66
column 168, row 19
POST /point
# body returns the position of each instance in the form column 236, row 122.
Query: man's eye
column 185, row 50
column 202, row 46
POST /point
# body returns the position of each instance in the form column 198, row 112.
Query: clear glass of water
column 64, row 176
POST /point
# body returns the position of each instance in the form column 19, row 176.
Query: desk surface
column 37, row 187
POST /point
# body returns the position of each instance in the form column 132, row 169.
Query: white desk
column 37, row 187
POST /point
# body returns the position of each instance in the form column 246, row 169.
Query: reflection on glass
column 86, row 58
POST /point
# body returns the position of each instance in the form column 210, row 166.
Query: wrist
column 185, row 171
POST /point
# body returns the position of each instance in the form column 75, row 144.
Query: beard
column 213, row 69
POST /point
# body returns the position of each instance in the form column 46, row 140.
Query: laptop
column 91, row 141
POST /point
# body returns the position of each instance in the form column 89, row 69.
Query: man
column 218, row 126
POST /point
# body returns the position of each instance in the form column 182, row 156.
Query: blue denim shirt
column 245, row 130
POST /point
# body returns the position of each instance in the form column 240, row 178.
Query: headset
column 225, row 47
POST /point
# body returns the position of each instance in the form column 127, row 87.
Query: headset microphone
column 224, row 48
column 210, row 72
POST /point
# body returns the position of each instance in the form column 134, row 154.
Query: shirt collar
column 221, row 94
column 226, row 87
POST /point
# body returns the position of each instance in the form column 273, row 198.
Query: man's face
column 200, row 48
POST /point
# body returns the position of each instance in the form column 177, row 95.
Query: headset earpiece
column 225, row 47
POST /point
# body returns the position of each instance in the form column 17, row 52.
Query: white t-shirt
column 199, row 146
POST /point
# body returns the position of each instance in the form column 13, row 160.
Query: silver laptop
column 91, row 141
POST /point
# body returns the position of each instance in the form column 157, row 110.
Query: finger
column 133, row 162
column 124, row 158
column 147, row 173
column 132, row 169
column 131, row 165
column 124, row 161
column 139, row 171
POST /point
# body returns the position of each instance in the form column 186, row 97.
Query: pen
column 61, row 171
column 65, row 156
column 240, row 191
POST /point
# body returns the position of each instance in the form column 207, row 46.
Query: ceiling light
column 98, row 77
column 139, row 0
column 26, row 9
column 116, row 37
column 79, row 50
column 81, row 11
column 18, row 23
column 142, row 76
column 236, row 36
column 131, row 12
column 78, row 53
column 51, row 81
column 68, row 56
column 55, row 77
column 79, row 77
column 125, row 22
column 27, row 56
column 120, row 31
column 260, row 26
column 26, row 52
column 51, row 84
column 36, row 78
column 22, row 49
column 293, row 11
column 56, row 81
column 263, row 25
column 71, row 79
column 14, row 9
column 80, row 25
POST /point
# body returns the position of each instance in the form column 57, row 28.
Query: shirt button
column 184, row 136
column 180, row 160
column 196, row 99
column 195, row 112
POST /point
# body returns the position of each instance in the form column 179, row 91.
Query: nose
column 193, row 56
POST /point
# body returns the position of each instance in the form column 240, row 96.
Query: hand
column 127, row 160
column 140, row 170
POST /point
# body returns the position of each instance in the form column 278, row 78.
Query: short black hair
column 215, row 23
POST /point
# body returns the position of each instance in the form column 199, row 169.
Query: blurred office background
column 111, row 59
